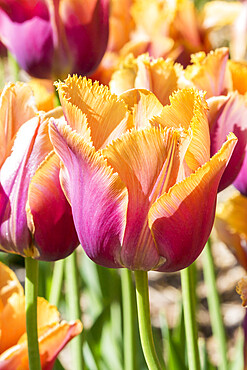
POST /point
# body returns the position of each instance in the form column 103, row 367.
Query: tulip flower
column 35, row 217
column 224, row 82
column 140, row 180
column 54, row 334
column 50, row 38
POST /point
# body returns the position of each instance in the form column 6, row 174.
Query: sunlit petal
column 107, row 115
column 209, row 73
column 188, row 111
column 187, row 212
column 97, row 195
column 17, row 106
column 147, row 161
column 48, row 212
column 143, row 104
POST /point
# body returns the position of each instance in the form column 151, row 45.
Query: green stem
column 57, row 281
column 13, row 67
column 31, row 292
column 142, row 297
column 73, row 303
column 214, row 305
column 188, row 293
column 128, row 319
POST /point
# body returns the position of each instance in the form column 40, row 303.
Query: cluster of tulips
column 130, row 126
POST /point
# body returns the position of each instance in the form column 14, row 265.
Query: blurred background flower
column 51, row 38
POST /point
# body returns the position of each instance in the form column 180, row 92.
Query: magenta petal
column 14, row 178
column 241, row 181
column 50, row 214
column 30, row 148
column 231, row 117
column 97, row 197
column 88, row 42
column 30, row 42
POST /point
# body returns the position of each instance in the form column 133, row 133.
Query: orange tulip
column 53, row 333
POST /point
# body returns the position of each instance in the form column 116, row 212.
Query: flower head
column 53, row 333
column 140, row 180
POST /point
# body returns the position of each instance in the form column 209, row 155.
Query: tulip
column 54, row 334
column 140, row 180
column 35, row 217
column 52, row 38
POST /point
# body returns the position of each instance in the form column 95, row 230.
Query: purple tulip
column 51, row 38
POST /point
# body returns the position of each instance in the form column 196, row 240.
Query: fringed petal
column 107, row 115
column 181, row 220
column 188, row 111
column 97, row 195
column 147, row 161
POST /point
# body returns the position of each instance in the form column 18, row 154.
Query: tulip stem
column 128, row 319
column 57, row 281
column 31, row 293
column 73, row 302
column 14, row 67
column 142, row 297
column 189, row 307
column 214, row 305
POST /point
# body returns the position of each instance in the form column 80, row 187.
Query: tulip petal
column 231, row 226
column 44, row 93
column 143, row 104
column 17, row 106
column 229, row 115
column 208, row 72
column 34, row 56
column 107, row 115
column 181, row 220
column 31, row 146
column 241, row 289
column 241, row 181
column 12, row 322
column 90, row 31
column 239, row 75
column 147, row 161
column 97, row 196
column 9, row 284
column 51, row 342
column 55, row 236
column 158, row 76
column 188, row 111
